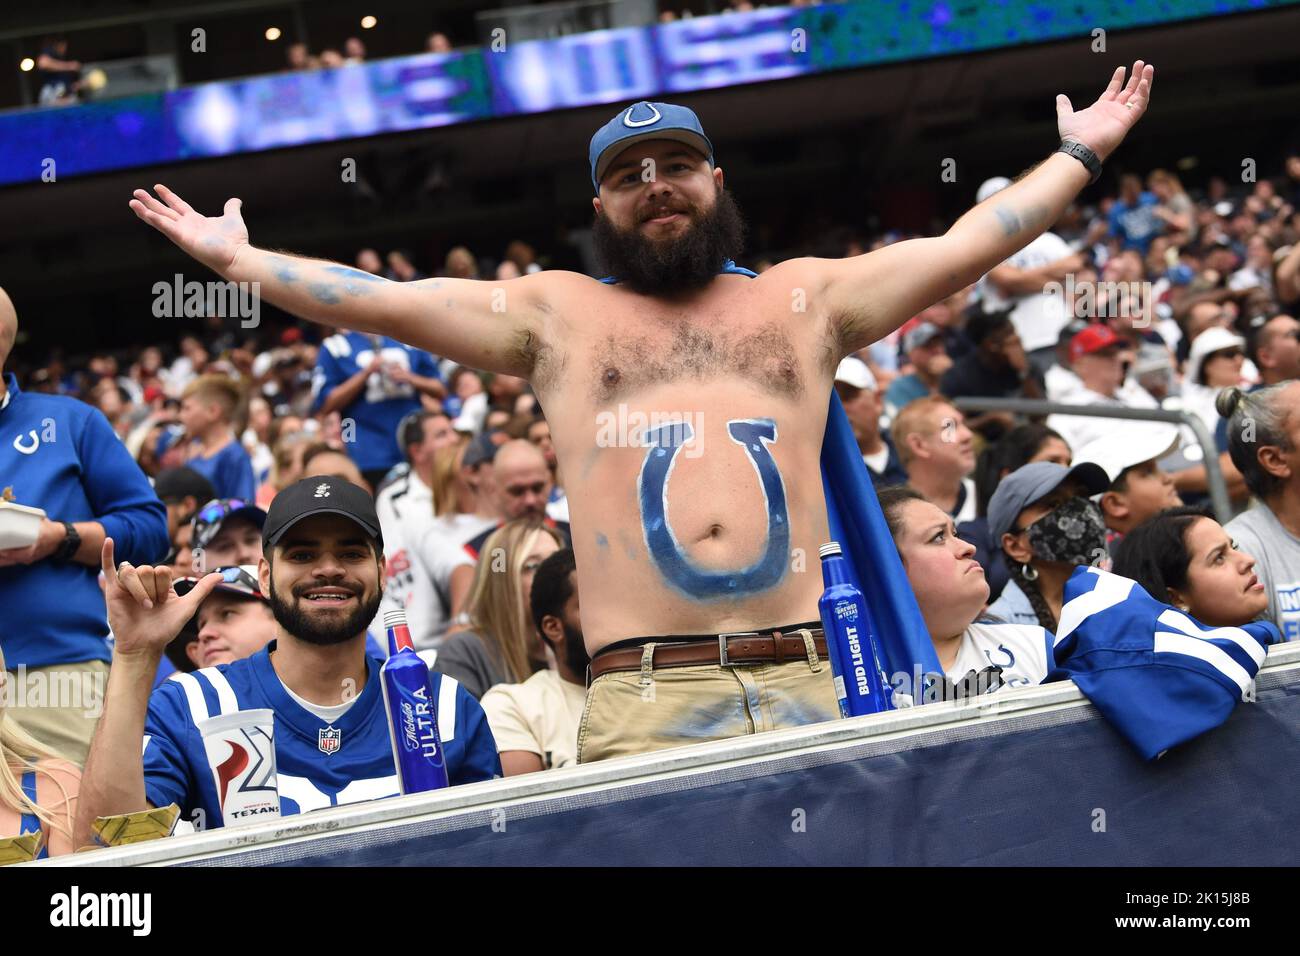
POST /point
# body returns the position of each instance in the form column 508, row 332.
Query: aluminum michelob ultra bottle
column 855, row 657
column 412, row 711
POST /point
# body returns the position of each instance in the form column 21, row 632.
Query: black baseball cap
column 317, row 496
column 174, row 485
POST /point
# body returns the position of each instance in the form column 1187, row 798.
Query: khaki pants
column 634, row 713
column 59, row 705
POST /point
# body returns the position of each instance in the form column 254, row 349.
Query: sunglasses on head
column 237, row 575
column 217, row 511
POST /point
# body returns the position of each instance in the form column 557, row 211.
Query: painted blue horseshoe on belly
column 753, row 434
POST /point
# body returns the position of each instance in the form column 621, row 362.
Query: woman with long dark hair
column 1184, row 557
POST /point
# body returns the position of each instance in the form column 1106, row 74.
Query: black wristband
column 1090, row 160
column 69, row 545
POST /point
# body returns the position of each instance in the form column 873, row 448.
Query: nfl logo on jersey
column 329, row 740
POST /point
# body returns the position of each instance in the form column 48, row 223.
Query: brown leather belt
column 725, row 650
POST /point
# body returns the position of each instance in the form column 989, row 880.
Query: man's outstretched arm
column 495, row 326
column 869, row 296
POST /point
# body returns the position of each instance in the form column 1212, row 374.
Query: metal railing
column 1218, row 488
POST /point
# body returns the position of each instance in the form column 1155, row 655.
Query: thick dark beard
column 683, row 264
column 296, row 622
column 575, row 649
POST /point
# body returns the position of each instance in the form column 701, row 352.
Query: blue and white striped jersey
column 318, row 764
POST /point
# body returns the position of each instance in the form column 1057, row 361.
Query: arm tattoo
column 284, row 270
column 355, row 281
column 323, row 292
column 1009, row 221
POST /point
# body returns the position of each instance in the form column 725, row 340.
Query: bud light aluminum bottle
column 412, row 711
column 850, row 638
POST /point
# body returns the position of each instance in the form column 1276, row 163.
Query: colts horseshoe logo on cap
column 633, row 124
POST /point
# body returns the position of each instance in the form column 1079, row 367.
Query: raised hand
column 144, row 611
column 214, row 241
column 1103, row 125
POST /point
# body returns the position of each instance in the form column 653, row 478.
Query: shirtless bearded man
column 687, row 402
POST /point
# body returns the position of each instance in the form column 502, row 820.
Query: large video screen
column 610, row 66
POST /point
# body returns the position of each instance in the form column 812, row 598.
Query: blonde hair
column 446, row 468
column 19, row 753
column 496, row 611
column 218, row 390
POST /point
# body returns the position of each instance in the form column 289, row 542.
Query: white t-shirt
column 458, row 528
column 1062, row 384
column 877, row 461
column 968, row 510
column 540, row 716
column 1022, row 651
column 424, row 573
column 558, row 510
column 405, row 510
column 328, row 714
column 1082, row 430
column 1037, row 316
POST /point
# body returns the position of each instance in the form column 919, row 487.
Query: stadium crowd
column 1156, row 297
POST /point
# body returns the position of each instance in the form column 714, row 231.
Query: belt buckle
column 723, row 661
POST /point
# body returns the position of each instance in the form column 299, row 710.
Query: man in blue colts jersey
column 322, row 569
column 374, row 381
column 687, row 400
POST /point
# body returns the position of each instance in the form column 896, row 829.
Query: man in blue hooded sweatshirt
column 62, row 456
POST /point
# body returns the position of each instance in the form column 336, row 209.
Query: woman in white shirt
column 951, row 590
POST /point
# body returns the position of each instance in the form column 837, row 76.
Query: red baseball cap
column 1094, row 338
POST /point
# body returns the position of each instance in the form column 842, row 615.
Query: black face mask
column 684, row 264
column 1075, row 533
column 295, row 620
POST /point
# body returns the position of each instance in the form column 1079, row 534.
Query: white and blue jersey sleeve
column 318, row 763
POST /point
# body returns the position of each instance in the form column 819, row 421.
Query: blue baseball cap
column 1029, row 483
column 642, row 121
